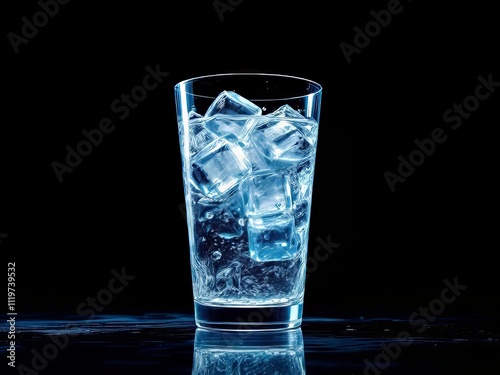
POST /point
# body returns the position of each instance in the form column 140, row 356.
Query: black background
column 120, row 206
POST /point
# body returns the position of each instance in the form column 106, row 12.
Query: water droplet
column 241, row 221
column 209, row 215
column 216, row 255
column 264, row 109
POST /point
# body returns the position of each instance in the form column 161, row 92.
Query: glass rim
column 318, row 87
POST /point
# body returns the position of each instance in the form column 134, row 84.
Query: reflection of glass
column 249, row 353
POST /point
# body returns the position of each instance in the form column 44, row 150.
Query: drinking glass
column 248, row 148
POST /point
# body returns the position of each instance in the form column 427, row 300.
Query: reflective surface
column 171, row 344
column 264, row 352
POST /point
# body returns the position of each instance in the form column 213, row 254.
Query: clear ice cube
column 219, row 167
column 224, row 125
column 271, row 238
column 194, row 115
column 301, row 179
column 258, row 161
column 283, row 140
column 286, row 111
column 231, row 103
column 301, row 217
column 267, row 194
column 199, row 136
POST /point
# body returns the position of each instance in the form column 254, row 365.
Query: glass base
column 255, row 318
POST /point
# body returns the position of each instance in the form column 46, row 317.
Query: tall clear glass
column 248, row 148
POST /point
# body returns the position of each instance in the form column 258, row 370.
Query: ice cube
column 266, row 194
column 231, row 103
column 283, row 140
column 301, row 217
column 194, row 115
column 224, row 125
column 259, row 162
column 272, row 238
column 199, row 136
column 286, row 111
column 301, row 180
column 219, row 167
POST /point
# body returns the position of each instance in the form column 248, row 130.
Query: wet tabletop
column 171, row 344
